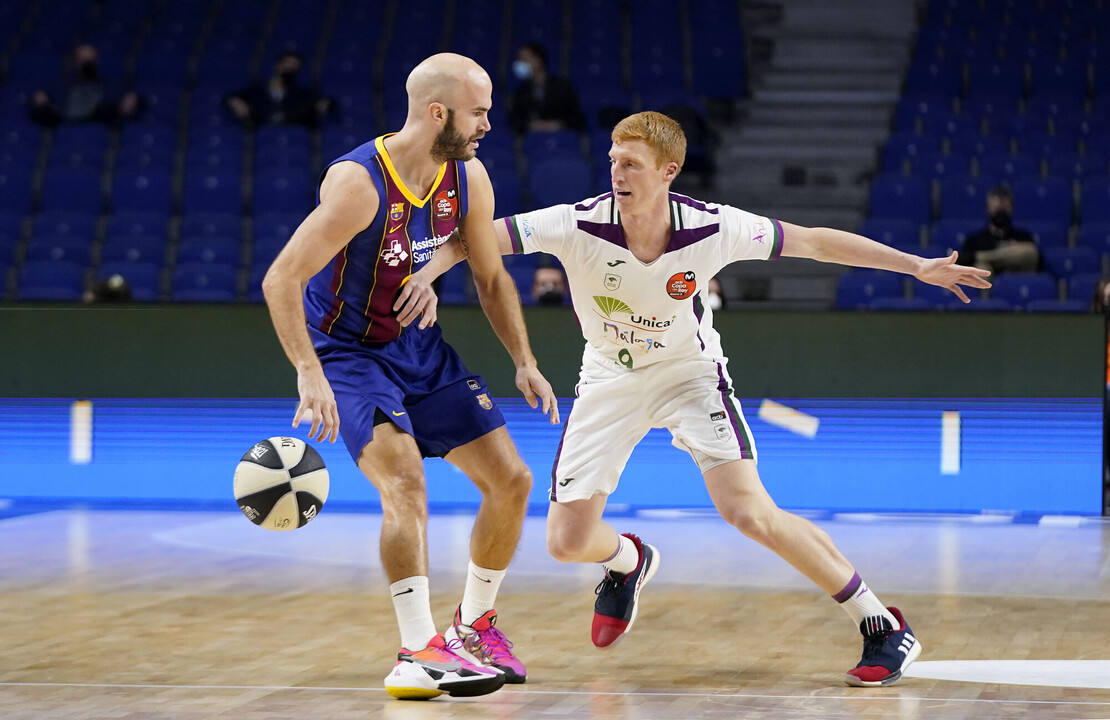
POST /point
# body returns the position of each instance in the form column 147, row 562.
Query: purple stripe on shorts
column 691, row 202
column 558, row 453
column 609, row 232
column 849, row 589
column 591, row 204
column 741, row 436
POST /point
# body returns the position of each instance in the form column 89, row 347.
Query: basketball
column 281, row 483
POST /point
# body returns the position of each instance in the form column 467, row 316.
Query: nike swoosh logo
column 395, row 229
column 615, row 263
column 404, row 592
column 482, row 578
column 396, row 414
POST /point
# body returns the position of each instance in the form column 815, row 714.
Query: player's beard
column 450, row 143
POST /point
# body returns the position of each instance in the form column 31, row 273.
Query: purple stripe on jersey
column 609, row 232
column 558, row 454
column 699, row 311
column 514, row 235
column 776, row 250
column 849, row 589
column 685, row 238
column 593, row 203
column 691, row 202
column 737, row 431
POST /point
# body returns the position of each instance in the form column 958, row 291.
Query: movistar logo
column 610, row 305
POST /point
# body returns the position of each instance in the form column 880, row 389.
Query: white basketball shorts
column 691, row 397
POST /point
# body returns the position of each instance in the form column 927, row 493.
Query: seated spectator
column 280, row 99
column 113, row 289
column 1001, row 247
column 542, row 102
column 85, row 95
column 549, row 287
column 716, row 299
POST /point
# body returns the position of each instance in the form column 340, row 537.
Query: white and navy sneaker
column 618, row 596
column 886, row 652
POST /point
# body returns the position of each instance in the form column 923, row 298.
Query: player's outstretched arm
column 413, row 300
column 497, row 291
column 348, row 203
column 845, row 248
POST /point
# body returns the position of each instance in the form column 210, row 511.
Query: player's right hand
column 534, row 386
column 317, row 405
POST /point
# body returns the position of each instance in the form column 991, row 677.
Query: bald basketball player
column 397, row 395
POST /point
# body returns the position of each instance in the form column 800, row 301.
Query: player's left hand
column 945, row 273
column 537, row 390
column 417, row 298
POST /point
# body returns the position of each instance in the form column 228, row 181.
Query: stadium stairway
column 823, row 87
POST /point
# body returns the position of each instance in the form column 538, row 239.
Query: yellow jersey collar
column 379, row 143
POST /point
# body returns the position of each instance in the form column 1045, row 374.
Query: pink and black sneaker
column 483, row 644
column 886, row 652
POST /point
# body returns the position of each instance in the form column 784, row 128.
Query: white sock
column 859, row 602
column 625, row 559
column 414, row 611
column 480, row 594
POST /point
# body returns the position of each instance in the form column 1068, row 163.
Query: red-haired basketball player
column 639, row 259
column 402, row 393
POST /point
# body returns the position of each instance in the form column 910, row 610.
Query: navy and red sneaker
column 618, row 595
column 886, row 652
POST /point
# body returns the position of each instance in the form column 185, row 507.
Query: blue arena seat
column 15, row 188
column 283, row 191
column 857, row 288
column 979, row 305
column 1094, row 235
column 952, row 232
column 212, row 191
column 49, row 280
column 206, row 250
column 72, row 188
column 134, row 249
column 900, row 197
column 1082, row 287
column 60, row 249
column 1095, row 200
column 895, row 232
column 1066, row 262
column 897, row 304
column 1058, row 306
column 146, row 190
column 148, row 224
column 1043, row 199
column 203, row 283
column 1020, row 288
column 59, row 223
column 558, row 179
column 1046, row 233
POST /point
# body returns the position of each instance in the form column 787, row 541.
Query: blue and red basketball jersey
column 351, row 299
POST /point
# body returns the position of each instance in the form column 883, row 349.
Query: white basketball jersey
column 634, row 314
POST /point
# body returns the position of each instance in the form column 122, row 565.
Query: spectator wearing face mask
column 716, row 299
column 542, row 102
column 281, row 99
column 1001, row 247
column 549, row 287
column 85, row 95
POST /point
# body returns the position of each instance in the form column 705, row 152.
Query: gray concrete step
column 798, row 114
column 810, row 135
column 840, row 96
column 826, row 80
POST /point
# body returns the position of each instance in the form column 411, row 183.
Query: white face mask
column 714, row 301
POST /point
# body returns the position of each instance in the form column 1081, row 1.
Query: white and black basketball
column 281, row 483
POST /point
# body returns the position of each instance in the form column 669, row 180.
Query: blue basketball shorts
column 417, row 381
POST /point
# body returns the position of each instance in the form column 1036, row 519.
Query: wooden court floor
column 107, row 614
